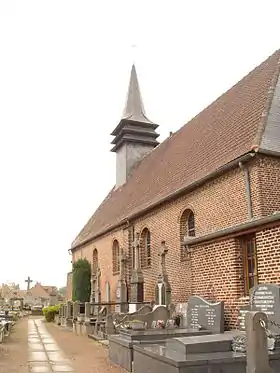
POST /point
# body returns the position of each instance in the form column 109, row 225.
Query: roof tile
column 224, row 131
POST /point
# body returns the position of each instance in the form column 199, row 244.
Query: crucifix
column 29, row 281
column 122, row 266
column 162, row 254
column 98, row 275
column 136, row 246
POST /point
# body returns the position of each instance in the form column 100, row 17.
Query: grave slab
column 158, row 359
column 121, row 346
column 204, row 314
column 266, row 298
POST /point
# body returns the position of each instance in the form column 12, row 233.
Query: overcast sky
column 64, row 71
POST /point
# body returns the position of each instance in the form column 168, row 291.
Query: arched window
column 187, row 225
column 146, row 259
column 94, row 261
column 116, row 257
column 191, row 226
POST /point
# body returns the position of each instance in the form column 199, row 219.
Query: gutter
column 233, row 230
column 235, row 163
column 245, row 170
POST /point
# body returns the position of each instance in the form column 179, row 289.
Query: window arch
column 146, row 259
column 116, row 257
column 94, row 261
column 187, row 225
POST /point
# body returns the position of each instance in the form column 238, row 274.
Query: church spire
column 134, row 108
column 135, row 134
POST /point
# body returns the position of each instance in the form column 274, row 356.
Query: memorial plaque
column 205, row 315
column 266, row 298
column 241, row 316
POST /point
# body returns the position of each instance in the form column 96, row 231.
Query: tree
column 81, row 281
column 62, row 290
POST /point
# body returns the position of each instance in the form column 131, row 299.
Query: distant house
column 41, row 295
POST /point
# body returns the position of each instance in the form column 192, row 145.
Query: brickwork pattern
column 269, row 181
column 213, row 269
column 268, row 252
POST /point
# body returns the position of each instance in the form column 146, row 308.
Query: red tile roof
column 227, row 129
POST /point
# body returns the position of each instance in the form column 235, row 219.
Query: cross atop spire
column 134, row 107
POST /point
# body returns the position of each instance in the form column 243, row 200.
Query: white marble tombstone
column 107, row 292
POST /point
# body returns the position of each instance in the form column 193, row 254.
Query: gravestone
column 181, row 309
column 204, row 314
column 121, row 293
column 108, row 295
column 137, row 278
column 163, row 288
column 76, row 310
column 266, row 298
column 107, row 292
column 241, row 316
column 87, row 310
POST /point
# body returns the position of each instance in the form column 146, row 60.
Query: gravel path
column 14, row 350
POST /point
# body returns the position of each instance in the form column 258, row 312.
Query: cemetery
column 152, row 339
column 186, row 337
column 8, row 317
column 183, row 337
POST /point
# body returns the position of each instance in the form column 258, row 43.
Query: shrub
column 81, row 281
column 50, row 312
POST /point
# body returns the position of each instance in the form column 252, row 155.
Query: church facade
column 210, row 192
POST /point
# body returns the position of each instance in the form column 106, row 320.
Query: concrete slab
column 37, row 356
column 62, row 368
column 45, row 368
column 36, row 347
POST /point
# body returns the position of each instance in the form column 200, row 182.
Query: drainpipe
column 245, row 170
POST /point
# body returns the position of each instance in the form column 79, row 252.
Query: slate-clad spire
column 134, row 108
column 135, row 135
column 134, row 126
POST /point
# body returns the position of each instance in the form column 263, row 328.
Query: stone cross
column 162, row 255
column 122, row 266
column 136, row 247
column 29, row 281
column 98, row 275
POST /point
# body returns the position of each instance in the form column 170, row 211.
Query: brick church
column 210, row 191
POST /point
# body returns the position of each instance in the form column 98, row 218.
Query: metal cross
column 29, row 281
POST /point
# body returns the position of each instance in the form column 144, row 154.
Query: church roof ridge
column 242, row 120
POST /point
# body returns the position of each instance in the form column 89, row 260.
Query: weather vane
column 133, row 47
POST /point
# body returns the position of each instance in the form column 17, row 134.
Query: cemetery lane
column 14, row 350
column 86, row 355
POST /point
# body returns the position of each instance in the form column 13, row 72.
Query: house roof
column 38, row 291
column 246, row 118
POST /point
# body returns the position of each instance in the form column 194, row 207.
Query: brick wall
column 213, row 210
column 214, row 269
column 269, row 181
column 268, row 250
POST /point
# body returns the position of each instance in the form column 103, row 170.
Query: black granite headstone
column 241, row 316
column 266, row 298
column 204, row 314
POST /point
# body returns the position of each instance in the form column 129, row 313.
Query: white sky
column 64, row 70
